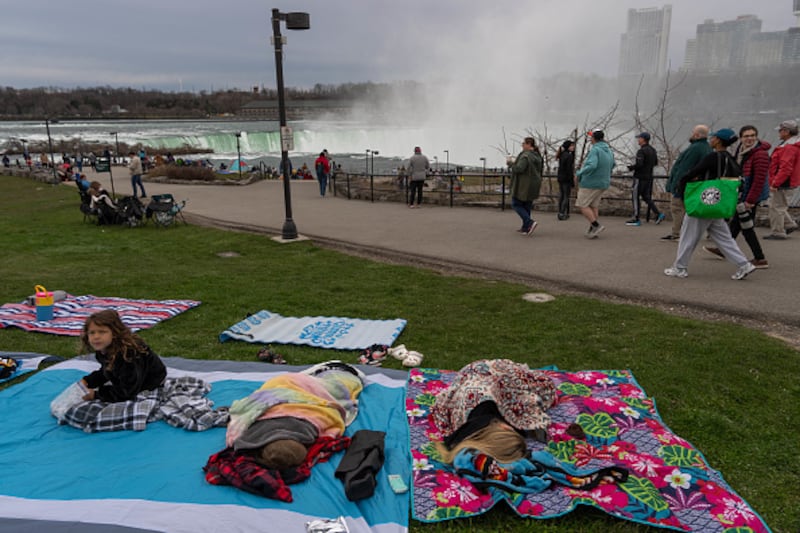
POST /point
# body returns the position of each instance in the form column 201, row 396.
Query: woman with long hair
column 492, row 406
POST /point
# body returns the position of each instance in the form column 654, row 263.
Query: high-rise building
column 796, row 11
column 643, row 47
column 791, row 46
column 723, row 45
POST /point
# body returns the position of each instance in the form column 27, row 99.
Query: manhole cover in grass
column 538, row 297
column 229, row 254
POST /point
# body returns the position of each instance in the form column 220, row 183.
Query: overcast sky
column 211, row 44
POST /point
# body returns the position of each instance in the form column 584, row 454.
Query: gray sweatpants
column 693, row 229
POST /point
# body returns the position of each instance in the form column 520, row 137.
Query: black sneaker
column 668, row 238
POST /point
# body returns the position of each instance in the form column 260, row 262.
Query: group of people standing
column 708, row 156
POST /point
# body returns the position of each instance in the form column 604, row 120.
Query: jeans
column 323, row 182
column 523, row 209
column 136, row 179
column 415, row 186
column 564, row 190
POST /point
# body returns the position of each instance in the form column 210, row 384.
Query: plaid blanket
column 70, row 314
column 669, row 485
column 180, row 402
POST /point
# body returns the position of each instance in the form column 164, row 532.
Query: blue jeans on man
column 322, row 177
column 523, row 209
column 136, row 179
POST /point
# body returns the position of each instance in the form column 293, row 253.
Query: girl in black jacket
column 128, row 365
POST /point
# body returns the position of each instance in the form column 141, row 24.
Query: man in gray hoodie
column 418, row 167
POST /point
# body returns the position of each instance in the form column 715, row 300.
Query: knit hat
column 282, row 454
column 417, row 150
column 726, row 135
column 264, row 432
column 644, row 135
column 566, row 144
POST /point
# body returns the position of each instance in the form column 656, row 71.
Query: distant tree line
column 104, row 102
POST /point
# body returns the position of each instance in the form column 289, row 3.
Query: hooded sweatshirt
column 596, row 170
column 784, row 169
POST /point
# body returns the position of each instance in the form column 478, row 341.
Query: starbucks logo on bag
column 711, row 196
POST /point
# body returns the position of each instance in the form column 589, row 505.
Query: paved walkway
column 626, row 262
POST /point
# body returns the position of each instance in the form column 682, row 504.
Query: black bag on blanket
column 361, row 463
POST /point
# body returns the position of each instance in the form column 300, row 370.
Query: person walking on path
column 593, row 179
column 135, row 169
column 784, row 178
column 418, row 167
column 698, row 148
column 566, row 177
column 717, row 164
column 323, row 168
column 753, row 157
column 526, row 181
column 646, row 160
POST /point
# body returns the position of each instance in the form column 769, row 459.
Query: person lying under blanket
column 290, row 423
column 485, row 416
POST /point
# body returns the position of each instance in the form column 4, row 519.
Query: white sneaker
column 399, row 352
column 743, row 271
column 675, row 272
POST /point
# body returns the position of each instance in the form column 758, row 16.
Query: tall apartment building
column 737, row 45
column 643, row 47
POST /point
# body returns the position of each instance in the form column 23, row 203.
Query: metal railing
column 490, row 189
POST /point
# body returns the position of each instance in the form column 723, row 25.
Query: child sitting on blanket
column 490, row 407
column 128, row 365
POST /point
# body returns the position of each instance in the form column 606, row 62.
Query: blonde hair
column 501, row 442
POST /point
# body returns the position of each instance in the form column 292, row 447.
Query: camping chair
column 89, row 213
column 164, row 210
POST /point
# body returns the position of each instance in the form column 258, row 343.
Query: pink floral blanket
column 670, row 484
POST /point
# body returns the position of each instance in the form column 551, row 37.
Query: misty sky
column 210, row 45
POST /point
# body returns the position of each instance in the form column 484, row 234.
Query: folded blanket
column 180, row 402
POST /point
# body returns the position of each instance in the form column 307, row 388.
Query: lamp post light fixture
column 239, row 153
column 294, row 21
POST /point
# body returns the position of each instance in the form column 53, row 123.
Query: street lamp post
column 483, row 180
column 447, row 165
column 436, row 163
column 50, row 146
column 239, row 154
column 366, row 163
column 294, row 21
column 116, row 142
column 372, row 176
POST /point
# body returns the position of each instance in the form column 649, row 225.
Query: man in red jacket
column 784, row 178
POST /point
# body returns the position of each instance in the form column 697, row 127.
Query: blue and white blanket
column 319, row 331
column 53, row 477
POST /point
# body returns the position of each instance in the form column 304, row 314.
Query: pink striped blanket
column 70, row 314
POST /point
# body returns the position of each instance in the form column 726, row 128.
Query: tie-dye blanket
column 70, row 314
column 670, row 484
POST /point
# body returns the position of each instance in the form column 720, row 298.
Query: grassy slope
column 730, row 391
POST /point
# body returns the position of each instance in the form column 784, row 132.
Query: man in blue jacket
column 593, row 179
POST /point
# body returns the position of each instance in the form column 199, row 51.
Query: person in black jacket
column 566, row 177
column 646, row 160
column 718, row 163
column 128, row 365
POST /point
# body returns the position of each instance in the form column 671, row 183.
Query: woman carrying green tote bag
column 717, row 164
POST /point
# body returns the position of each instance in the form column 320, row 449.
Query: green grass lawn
column 730, row 391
